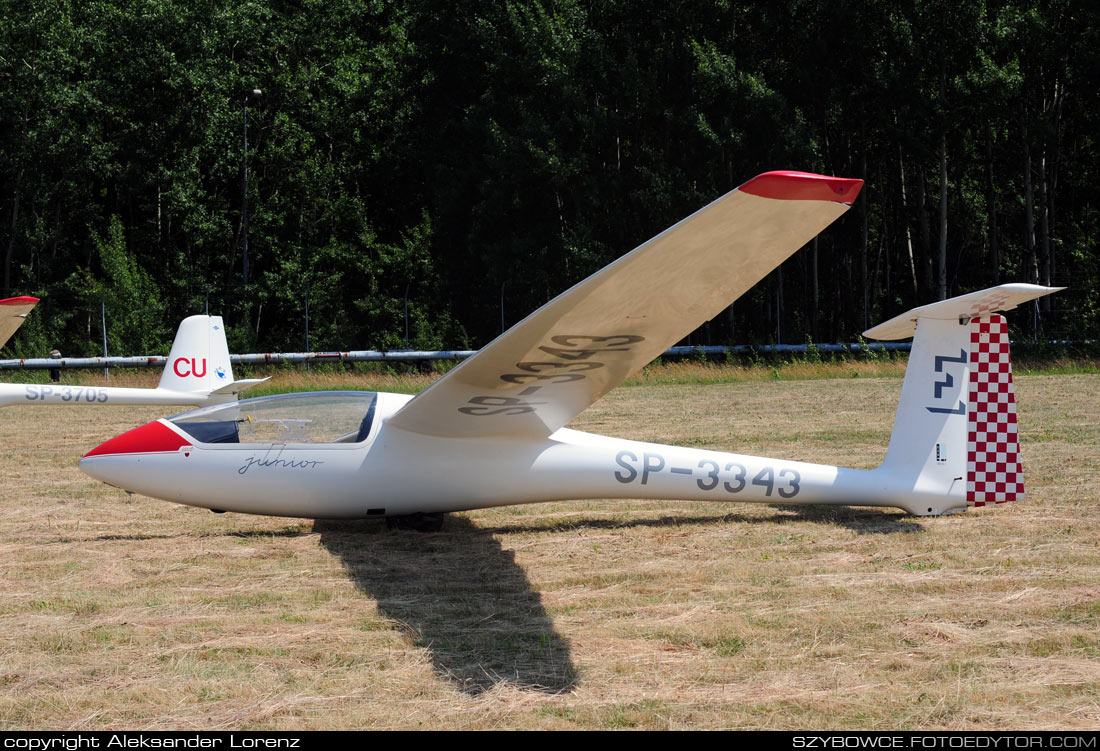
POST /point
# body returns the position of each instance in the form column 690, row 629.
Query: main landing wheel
column 432, row 522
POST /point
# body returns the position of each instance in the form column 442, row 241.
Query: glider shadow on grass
column 460, row 596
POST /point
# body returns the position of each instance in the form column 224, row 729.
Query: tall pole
column 779, row 305
column 244, row 196
column 103, row 317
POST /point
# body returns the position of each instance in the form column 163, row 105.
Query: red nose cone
column 149, row 438
column 803, row 186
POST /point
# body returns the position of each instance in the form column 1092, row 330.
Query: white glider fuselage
column 394, row 472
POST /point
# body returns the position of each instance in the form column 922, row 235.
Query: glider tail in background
column 955, row 432
column 199, row 360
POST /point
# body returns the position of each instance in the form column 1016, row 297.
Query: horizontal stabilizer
column 238, row 386
column 973, row 305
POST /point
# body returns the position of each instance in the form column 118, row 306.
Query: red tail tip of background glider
column 24, row 300
column 803, row 186
column 149, row 438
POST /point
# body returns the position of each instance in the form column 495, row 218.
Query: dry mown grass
column 126, row 612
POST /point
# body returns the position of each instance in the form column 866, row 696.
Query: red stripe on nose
column 149, row 438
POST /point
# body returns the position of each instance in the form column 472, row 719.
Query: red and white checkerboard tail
column 993, row 472
column 955, row 441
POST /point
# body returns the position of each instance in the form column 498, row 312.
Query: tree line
column 453, row 166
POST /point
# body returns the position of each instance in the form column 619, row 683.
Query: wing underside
column 544, row 371
column 13, row 311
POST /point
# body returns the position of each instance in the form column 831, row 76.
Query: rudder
column 993, row 470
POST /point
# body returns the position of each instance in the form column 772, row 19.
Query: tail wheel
column 432, row 522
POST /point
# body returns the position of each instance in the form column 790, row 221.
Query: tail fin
column 955, row 442
column 199, row 360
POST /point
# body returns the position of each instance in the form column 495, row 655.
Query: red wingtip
column 803, row 186
column 24, row 300
column 149, row 438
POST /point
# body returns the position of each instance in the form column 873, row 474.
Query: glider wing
column 13, row 311
column 544, row 371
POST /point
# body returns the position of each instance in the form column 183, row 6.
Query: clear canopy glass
column 314, row 417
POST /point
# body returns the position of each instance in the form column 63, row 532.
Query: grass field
column 119, row 611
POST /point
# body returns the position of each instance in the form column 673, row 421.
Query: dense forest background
column 471, row 160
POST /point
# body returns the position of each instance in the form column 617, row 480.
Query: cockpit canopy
column 314, row 417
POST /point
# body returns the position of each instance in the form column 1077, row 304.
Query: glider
column 491, row 432
column 197, row 372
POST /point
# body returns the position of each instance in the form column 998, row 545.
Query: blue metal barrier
column 369, row 355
